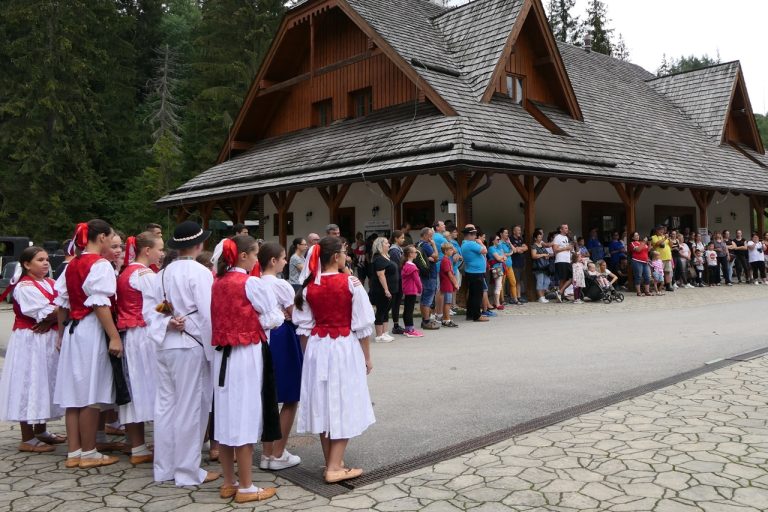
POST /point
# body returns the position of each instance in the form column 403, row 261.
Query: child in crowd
column 577, row 264
column 609, row 277
column 448, row 283
column 713, row 270
column 698, row 265
column 657, row 272
column 411, row 290
column 26, row 388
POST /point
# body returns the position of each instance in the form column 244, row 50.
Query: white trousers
column 183, row 401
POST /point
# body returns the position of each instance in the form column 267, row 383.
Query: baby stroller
column 595, row 292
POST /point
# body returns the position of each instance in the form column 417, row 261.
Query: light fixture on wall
column 309, row 215
column 733, row 215
column 375, row 210
column 265, row 219
column 444, row 206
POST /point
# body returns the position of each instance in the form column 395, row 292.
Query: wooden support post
column 529, row 190
column 182, row 214
column 396, row 190
column 206, row 209
column 282, row 201
column 703, row 199
column 756, row 214
column 240, row 208
column 333, row 196
column 630, row 195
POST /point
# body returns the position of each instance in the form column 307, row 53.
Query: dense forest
column 105, row 105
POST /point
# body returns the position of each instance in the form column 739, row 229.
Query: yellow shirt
column 665, row 252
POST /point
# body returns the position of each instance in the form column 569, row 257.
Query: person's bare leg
column 72, row 422
column 439, row 301
column 287, row 417
column 379, row 330
column 425, row 313
column 564, row 286
column 325, row 442
column 446, row 312
column 227, row 460
column 336, row 454
column 244, row 469
column 89, row 422
column 135, row 433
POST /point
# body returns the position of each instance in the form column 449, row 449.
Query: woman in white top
column 756, row 253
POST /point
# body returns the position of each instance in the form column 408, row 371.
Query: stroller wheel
column 607, row 299
column 619, row 297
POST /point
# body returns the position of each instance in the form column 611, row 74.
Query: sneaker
column 388, row 337
column 689, row 285
column 382, row 339
column 288, row 460
column 675, row 286
column 543, row 300
column 500, row 308
column 489, row 313
column 264, row 462
column 454, row 312
column 449, row 323
column 430, row 326
column 559, row 297
column 728, row 284
column 396, row 329
column 522, row 300
column 578, row 301
column 413, row 333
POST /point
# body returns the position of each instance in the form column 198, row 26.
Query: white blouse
column 99, row 286
column 32, row 302
column 362, row 312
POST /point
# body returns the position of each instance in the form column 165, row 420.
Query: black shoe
column 396, row 329
column 669, row 288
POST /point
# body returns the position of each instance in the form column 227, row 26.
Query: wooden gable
column 324, row 64
column 531, row 55
column 740, row 125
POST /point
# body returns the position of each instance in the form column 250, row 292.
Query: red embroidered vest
column 76, row 273
column 233, row 319
column 129, row 300
column 331, row 304
column 27, row 322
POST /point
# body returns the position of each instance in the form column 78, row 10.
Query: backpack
column 422, row 261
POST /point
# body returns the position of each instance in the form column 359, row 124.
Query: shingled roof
column 636, row 128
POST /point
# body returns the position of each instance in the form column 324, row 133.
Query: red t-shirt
column 446, row 271
column 642, row 254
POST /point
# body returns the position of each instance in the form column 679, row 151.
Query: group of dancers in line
column 170, row 345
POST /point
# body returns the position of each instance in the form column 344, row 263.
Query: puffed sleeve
column 303, row 318
column 263, row 300
column 143, row 280
column 100, row 284
column 284, row 293
column 62, row 299
column 362, row 311
column 157, row 323
column 32, row 303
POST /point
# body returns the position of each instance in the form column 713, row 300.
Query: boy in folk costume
column 243, row 308
column 84, row 376
column 181, row 328
column 136, row 282
column 26, row 387
column 334, row 312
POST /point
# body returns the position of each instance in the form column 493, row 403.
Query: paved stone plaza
column 701, row 444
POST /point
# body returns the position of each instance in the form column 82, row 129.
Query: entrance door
column 675, row 217
column 345, row 218
column 606, row 217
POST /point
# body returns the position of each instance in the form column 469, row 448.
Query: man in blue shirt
column 474, row 254
column 595, row 246
column 617, row 250
column 439, row 239
column 426, row 245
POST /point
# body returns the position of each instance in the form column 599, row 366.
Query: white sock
column 251, row 489
column 141, row 450
column 115, row 424
column 92, row 454
column 101, row 437
column 75, row 454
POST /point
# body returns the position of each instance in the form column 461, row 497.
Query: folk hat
column 188, row 234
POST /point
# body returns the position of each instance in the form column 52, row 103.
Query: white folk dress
column 334, row 386
column 84, row 375
column 238, row 418
column 29, row 371
column 140, row 356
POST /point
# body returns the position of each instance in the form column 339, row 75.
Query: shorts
column 428, row 289
column 667, row 265
column 447, row 297
column 563, row 271
column 485, row 284
column 658, row 277
column 542, row 280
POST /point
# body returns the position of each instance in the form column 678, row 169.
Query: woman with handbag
column 541, row 259
column 496, row 258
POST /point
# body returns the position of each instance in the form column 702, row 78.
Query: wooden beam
column 703, row 199
column 518, row 185
column 622, row 193
column 182, row 214
column 240, row 207
column 333, row 197
column 539, row 188
column 282, row 201
column 240, row 145
column 475, row 180
column 206, row 209
column 449, row 182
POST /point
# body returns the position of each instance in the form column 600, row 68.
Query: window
column 276, row 224
column 515, row 88
column 360, row 102
column 322, row 113
column 419, row 214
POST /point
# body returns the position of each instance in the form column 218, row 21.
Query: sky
column 652, row 28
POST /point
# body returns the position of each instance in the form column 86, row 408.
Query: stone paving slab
column 700, row 445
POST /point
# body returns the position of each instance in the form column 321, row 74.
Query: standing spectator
column 497, row 258
column 756, row 250
column 406, row 229
column 453, row 237
column 595, row 246
column 411, row 288
column 448, row 283
column 474, row 272
column 657, row 272
column 581, row 248
column 674, row 245
column 312, row 240
column 617, row 250
column 577, row 263
column 641, row 270
column 721, row 249
column 358, row 249
column 332, row 230
column 240, row 229
column 540, row 257
column 426, row 247
column 519, row 248
column 297, row 261
column 741, row 261
column 730, row 246
column 396, row 244
column 438, row 238
column 486, row 303
column 384, row 284
column 660, row 244
column 562, row 247
column 510, row 278
column 698, row 266
column 713, row 270
column 685, row 261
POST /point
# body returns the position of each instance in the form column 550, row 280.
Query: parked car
column 5, row 278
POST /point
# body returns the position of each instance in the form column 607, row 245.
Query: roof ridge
column 458, row 7
column 711, row 66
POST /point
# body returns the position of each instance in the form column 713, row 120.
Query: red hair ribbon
column 229, row 252
column 314, row 263
column 130, row 251
column 80, row 238
column 256, row 270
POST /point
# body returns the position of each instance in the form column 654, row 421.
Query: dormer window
column 360, row 102
column 515, row 88
column 322, row 113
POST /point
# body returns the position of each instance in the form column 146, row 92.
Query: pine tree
column 621, row 51
column 565, row 27
column 596, row 25
column 684, row 64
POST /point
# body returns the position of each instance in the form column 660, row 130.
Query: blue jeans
column 428, row 289
column 641, row 271
column 542, row 281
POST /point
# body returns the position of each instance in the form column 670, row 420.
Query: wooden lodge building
column 370, row 113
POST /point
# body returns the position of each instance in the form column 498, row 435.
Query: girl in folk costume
column 334, row 311
column 286, row 353
column 134, row 284
column 26, row 387
column 84, row 376
column 243, row 307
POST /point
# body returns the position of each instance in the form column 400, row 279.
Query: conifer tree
column 596, row 25
column 621, row 51
column 565, row 27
